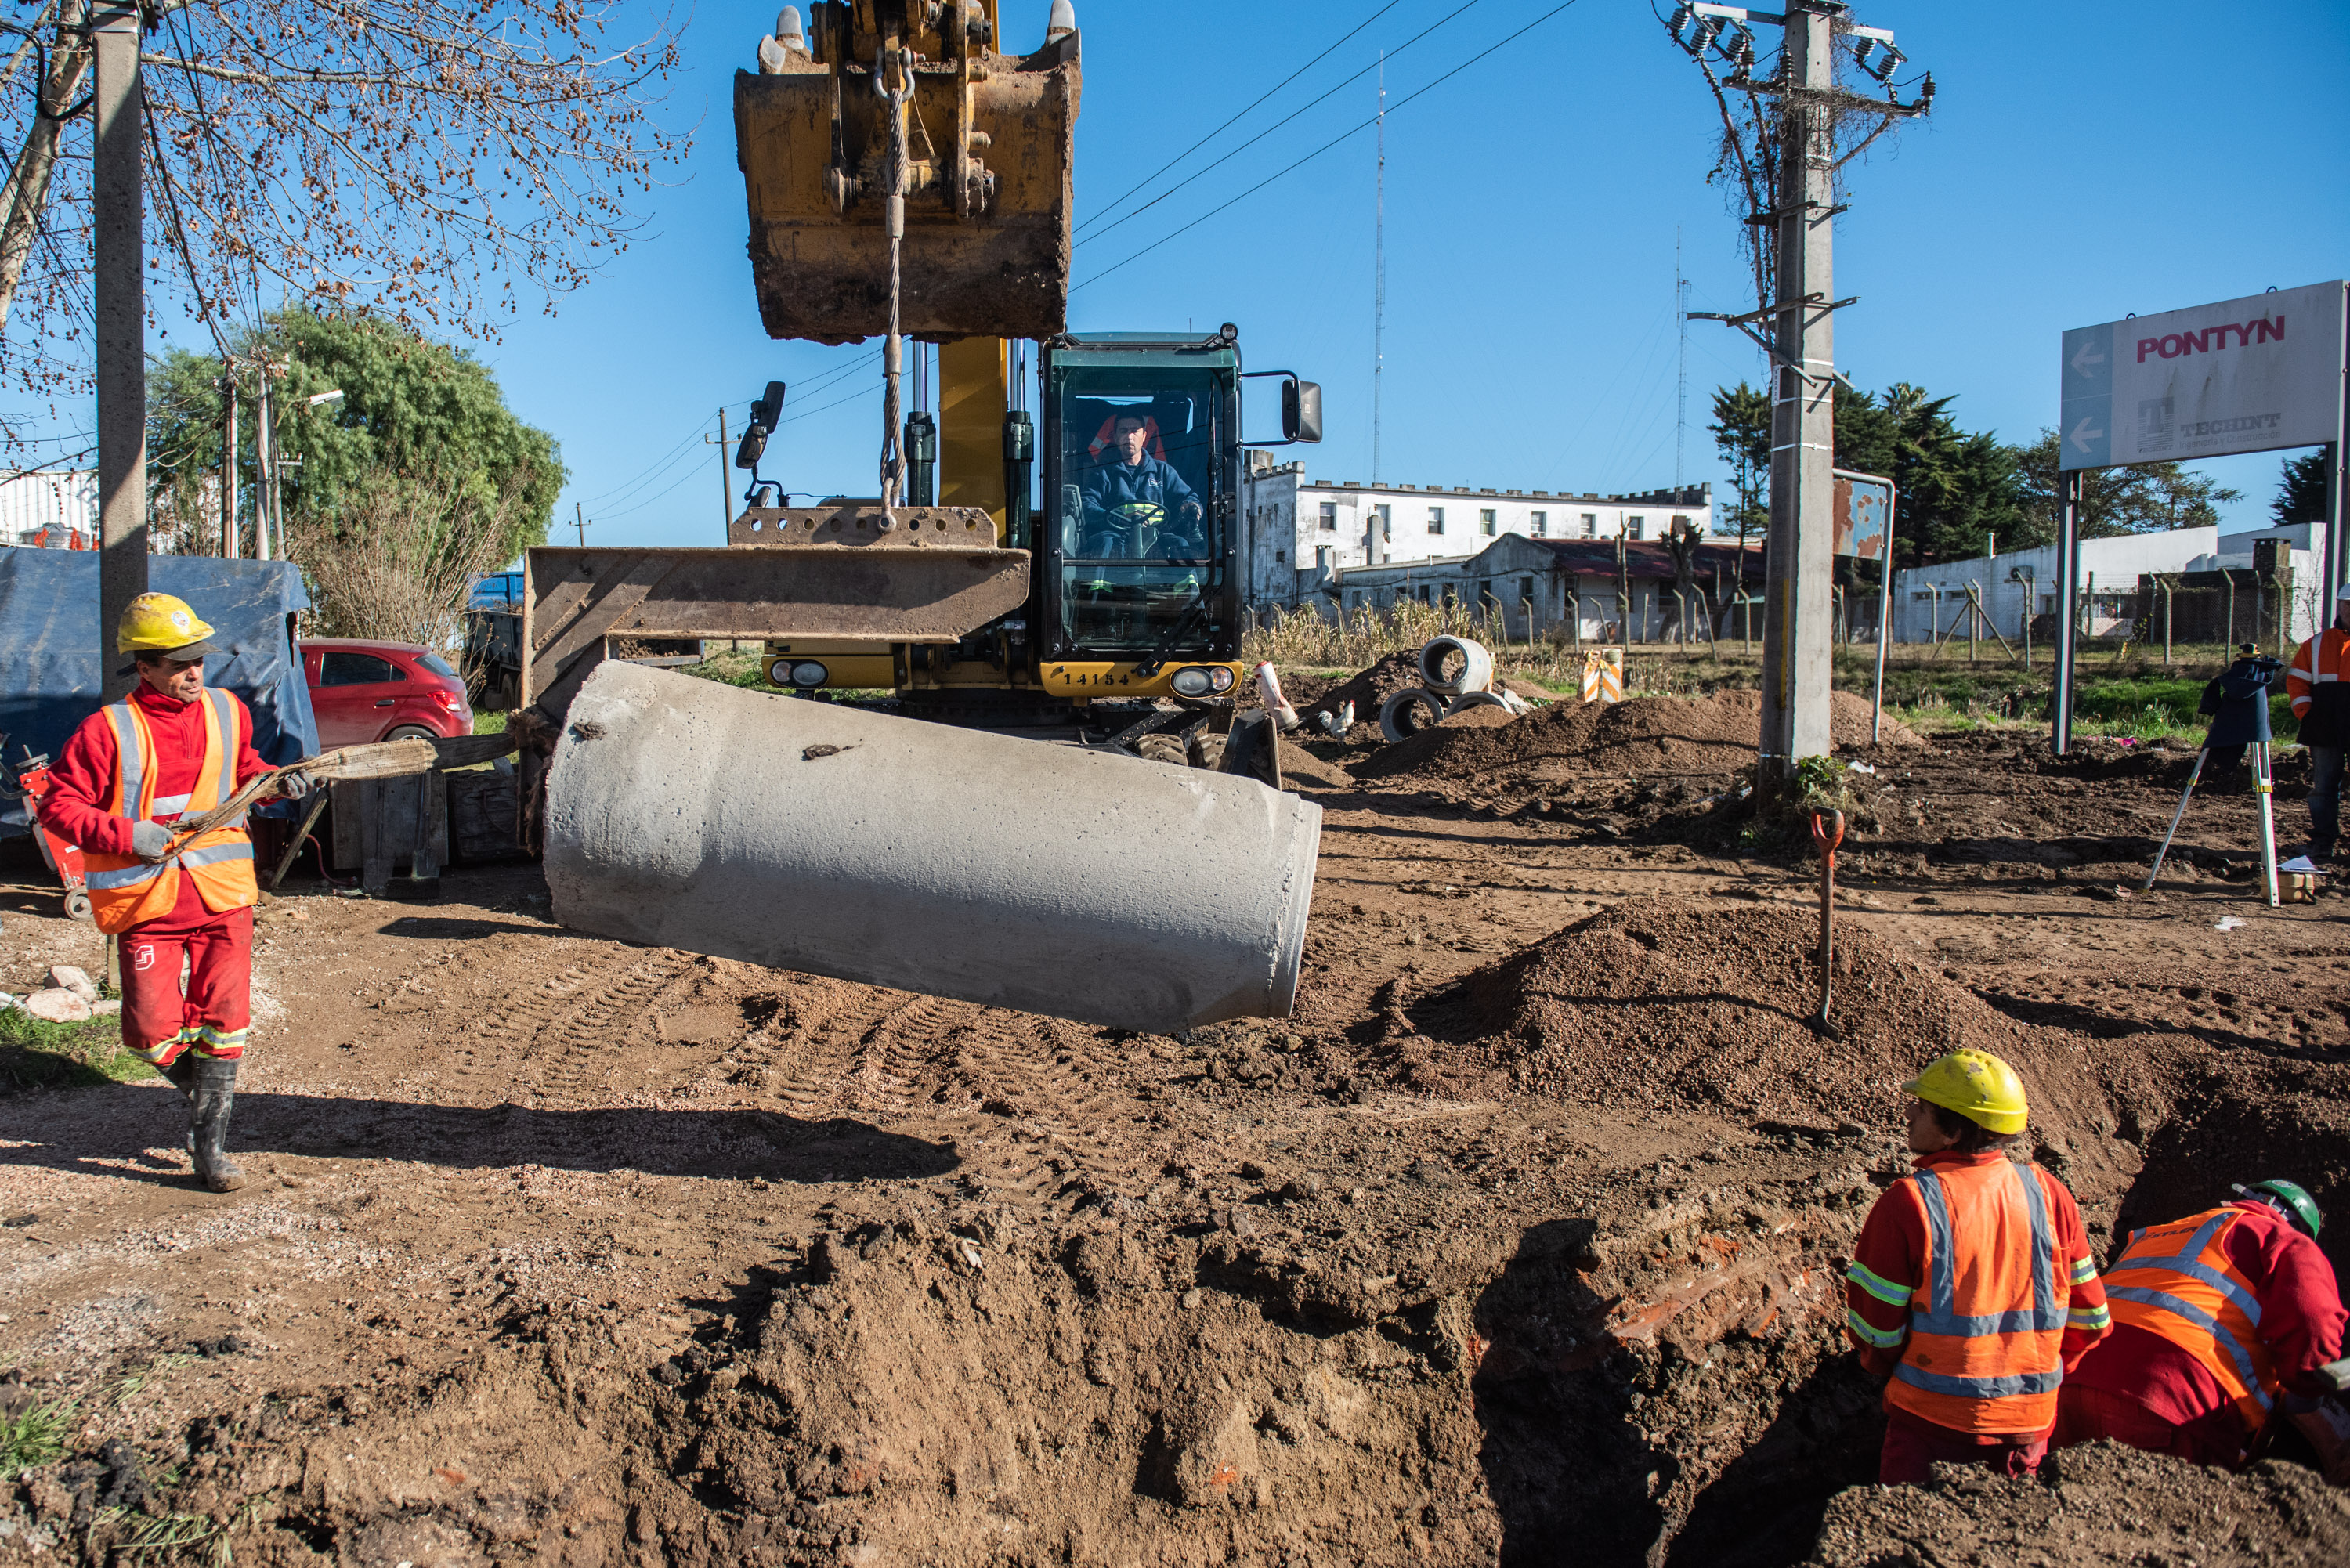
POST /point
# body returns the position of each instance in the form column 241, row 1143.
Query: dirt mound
column 1678, row 1005
column 1643, row 736
column 1366, row 688
column 2097, row 1503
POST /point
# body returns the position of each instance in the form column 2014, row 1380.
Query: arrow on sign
column 2082, row 434
column 2084, row 356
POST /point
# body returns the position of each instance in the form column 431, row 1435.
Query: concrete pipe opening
column 1009, row 872
column 1408, row 712
column 1451, row 665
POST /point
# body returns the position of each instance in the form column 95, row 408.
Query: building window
column 1330, row 517
column 1485, row 522
column 1278, row 555
column 1681, row 524
column 1591, row 525
column 1635, row 527
column 1526, row 589
column 1540, row 524
column 1436, row 520
column 1387, row 522
column 1423, row 593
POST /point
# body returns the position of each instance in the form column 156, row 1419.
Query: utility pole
column 580, row 521
column 725, row 493
column 1782, row 138
column 230, row 545
column 119, row 294
column 265, row 463
column 1799, row 568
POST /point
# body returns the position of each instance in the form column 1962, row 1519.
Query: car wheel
column 412, row 733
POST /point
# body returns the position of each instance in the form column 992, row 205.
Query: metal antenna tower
column 1680, row 414
column 1379, row 272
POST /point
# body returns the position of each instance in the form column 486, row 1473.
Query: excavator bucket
column 989, row 144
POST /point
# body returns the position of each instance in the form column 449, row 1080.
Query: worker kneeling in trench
column 2219, row 1320
column 1971, row 1287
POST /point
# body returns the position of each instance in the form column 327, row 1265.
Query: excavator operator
column 1129, row 498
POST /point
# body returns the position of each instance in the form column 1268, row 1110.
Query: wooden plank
column 345, row 850
column 481, row 817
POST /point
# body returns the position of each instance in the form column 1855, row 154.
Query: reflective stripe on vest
column 2017, row 1392
column 2253, row 1381
column 125, row 890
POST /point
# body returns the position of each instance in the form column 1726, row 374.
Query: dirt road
column 1520, row 1242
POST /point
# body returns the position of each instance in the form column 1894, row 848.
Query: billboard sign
column 1864, row 514
column 2244, row 375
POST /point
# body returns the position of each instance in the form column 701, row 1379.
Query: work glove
column 150, row 840
column 294, row 785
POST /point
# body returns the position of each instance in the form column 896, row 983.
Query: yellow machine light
column 1220, row 679
column 1192, row 680
column 808, row 672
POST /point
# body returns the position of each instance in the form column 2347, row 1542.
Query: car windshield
column 1140, row 513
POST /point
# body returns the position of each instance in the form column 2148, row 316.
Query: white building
column 52, row 507
column 1301, row 531
column 1931, row 598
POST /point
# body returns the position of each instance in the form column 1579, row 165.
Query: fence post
column 2228, row 648
column 2166, row 621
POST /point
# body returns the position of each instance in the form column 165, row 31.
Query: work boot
column 182, row 1075
column 215, row 1093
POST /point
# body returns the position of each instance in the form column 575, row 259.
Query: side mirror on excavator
column 1301, row 410
column 1301, row 407
column 766, row 413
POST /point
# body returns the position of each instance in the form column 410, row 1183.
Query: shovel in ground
column 1827, row 832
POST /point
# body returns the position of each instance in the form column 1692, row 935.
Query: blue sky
column 2083, row 161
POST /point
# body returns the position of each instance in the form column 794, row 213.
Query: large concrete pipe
column 1451, row 665
column 685, row 814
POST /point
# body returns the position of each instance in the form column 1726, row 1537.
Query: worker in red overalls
column 134, row 767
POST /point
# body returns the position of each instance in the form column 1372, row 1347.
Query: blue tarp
column 52, row 656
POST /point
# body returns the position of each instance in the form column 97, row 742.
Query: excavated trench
column 1541, row 1263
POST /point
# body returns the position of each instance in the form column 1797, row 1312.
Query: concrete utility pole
column 1799, row 568
column 265, row 463
column 1792, row 142
column 119, row 294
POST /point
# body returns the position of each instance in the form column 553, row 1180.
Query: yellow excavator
column 907, row 179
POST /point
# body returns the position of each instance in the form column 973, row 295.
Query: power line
column 1326, row 146
column 1243, row 114
column 1201, row 173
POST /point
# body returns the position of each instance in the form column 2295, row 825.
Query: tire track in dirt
column 580, row 1044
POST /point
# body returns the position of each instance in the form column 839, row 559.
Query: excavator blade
column 990, row 142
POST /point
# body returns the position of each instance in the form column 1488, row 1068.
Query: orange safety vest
column 126, row 891
column 2176, row 1280
column 1985, row 1351
column 2317, row 663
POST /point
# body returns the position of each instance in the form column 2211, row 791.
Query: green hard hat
column 2294, row 1197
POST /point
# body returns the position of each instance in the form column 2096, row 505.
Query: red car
column 362, row 691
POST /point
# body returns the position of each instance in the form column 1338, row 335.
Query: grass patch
column 36, row 1435
column 489, row 723
column 38, row 1054
column 735, row 667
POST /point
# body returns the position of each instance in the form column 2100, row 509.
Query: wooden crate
column 382, row 827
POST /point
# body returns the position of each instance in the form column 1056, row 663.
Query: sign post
column 2256, row 374
column 1863, row 530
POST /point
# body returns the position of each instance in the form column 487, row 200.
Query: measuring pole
column 1799, row 565
column 2068, row 583
column 119, row 291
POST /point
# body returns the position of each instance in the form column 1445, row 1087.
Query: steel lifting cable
column 893, row 348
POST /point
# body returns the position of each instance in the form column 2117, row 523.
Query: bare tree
column 400, row 558
column 430, row 160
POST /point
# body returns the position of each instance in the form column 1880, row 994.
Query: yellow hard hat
column 1975, row 1084
column 161, row 623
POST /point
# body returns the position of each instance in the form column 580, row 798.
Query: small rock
column 109, row 1009
column 65, row 976
column 58, row 1006
column 1190, row 1299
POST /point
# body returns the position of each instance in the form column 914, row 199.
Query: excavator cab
column 1142, row 462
